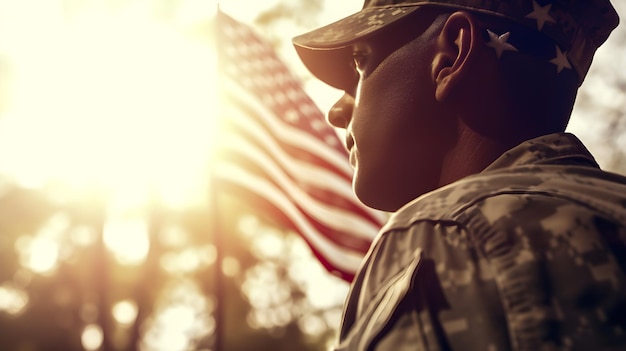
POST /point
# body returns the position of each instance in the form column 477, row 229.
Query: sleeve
column 558, row 280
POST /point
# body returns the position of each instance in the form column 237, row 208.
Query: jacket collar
column 558, row 148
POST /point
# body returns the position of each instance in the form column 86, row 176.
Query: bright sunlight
column 107, row 122
column 107, row 98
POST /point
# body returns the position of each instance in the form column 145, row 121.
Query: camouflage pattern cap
column 578, row 27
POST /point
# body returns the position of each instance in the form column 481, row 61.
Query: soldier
column 506, row 234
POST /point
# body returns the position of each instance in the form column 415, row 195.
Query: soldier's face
column 396, row 138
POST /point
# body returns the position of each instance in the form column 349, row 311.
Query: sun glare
column 125, row 312
column 12, row 299
column 112, row 98
column 128, row 239
column 39, row 254
column 92, row 337
column 112, row 102
column 184, row 316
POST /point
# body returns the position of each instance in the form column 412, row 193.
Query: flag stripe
column 333, row 185
column 334, row 217
column 336, row 258
column 287, row 134
column 278, row 153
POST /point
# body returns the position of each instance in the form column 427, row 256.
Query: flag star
column 280, row 97
column 293, row 94
column 292, row 116
column 307, row 110
column 561, row 61
column 318, row 125
column 331, row 140
column 500, row 43
column 541, row 14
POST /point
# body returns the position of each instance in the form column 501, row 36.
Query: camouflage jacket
column 530, row 254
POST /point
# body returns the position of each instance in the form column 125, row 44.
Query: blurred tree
column 598, row 117
column 49, row 303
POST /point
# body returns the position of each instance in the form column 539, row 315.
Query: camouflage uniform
column 527, row 255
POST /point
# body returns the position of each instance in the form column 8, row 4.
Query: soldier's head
column 425, row 81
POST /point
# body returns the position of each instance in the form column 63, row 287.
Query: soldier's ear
column 458, row 45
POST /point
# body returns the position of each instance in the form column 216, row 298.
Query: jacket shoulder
column 500, row 192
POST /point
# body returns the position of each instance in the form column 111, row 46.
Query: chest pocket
column 373, row 322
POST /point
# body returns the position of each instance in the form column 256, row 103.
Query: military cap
column 576, row 28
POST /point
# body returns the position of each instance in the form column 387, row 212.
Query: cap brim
column 326, row 51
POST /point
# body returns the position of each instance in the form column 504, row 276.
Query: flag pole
column 218, row 312
column 220, row 300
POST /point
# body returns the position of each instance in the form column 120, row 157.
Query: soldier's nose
column 340, row 113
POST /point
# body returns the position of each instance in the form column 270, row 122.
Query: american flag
column 278, row 153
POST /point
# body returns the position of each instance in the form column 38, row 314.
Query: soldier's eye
column 360, row 59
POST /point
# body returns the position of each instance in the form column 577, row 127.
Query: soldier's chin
column 375, row 197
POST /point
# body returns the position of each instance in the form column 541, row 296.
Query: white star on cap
column 500, row 43
column 561, row 61
column 541, row 14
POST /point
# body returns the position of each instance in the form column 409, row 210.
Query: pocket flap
column 381, row 309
